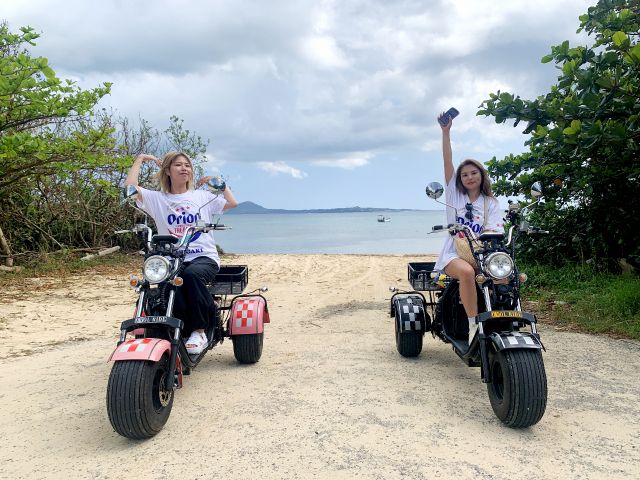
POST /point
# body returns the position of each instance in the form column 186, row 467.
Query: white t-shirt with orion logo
column 174, row 213
column 458, row 199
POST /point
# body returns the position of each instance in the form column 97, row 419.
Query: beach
column 330, row 398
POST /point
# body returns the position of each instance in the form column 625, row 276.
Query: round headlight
column 156, row 269
column 499, row 265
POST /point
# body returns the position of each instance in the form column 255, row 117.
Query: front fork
column 175, row 340
column 484, row 353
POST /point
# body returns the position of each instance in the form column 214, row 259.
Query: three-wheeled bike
column 507, row 346
column 151, row 358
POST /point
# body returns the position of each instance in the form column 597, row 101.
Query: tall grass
column 581, row 296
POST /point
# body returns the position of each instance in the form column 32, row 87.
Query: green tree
column 583, row 141
column 39, row 113
column 45, row 129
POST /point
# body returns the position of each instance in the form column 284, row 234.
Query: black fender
column 409, row 312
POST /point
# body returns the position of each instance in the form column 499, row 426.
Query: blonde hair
column 163, row 175
column 485, row 183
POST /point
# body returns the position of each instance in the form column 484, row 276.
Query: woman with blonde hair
column 174, row 208
column 470, row 202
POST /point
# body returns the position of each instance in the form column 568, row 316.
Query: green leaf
column 541, row 131
column 48, row 73
column 569, row 67
column 605, row 82
column 619, row 38
column 634, row 53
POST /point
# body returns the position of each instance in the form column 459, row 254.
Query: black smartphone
column 449, row 114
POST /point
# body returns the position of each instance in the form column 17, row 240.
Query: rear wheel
column 247, row 348
column 137, row 401
column 518, row 388
column 409, row 344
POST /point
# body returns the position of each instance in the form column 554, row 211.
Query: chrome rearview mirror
column 129, row 194
column 216, row 185
column 536, row 189
column 434, row 190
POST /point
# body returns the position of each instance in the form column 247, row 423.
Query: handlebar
column 207, row 227
column 439, row 228
column 455, row 228
column 458, row 227
column 186, row 238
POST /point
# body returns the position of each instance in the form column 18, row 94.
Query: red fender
column 141, row 349
column 248, row 315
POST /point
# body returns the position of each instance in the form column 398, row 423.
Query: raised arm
column 134, row 171
column 231, row 200
column 446, row 150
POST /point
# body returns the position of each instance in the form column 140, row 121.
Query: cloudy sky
column 312, row 104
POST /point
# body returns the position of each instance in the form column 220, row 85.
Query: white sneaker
column 197, row 343
column 473, row 328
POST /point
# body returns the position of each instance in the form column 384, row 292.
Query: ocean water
column 407, row 232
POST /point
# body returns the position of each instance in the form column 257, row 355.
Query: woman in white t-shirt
column 468, row 189
column 174, row 208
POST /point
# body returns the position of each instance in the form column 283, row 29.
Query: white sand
column 330, row 398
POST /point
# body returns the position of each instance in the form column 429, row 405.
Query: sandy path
column 330, row 398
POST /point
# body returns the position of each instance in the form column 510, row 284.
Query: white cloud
column 275, row 168
column 212, row 164
column 350, row 162
column 323, row 52
column 307, row 81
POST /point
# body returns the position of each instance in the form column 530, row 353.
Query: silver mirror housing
column 129, row 194
column 536, row 189
column 130, row 191
column 434, row 190
column 216, row 185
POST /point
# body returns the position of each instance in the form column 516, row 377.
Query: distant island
column 250, row 207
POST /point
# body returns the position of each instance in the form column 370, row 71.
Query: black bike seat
column 165, row 239
column 491, row 236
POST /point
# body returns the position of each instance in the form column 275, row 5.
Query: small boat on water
column 382, row 218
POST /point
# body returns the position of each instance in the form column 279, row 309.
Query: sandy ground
column 330, row 398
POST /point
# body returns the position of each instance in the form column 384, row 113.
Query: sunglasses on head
column 469, row 214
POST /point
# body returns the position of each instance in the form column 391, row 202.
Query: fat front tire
column 409, row 344
column 518, row 388
column 137, row 402
column 248, row 348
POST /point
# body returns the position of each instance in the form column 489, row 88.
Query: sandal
column 197, row 343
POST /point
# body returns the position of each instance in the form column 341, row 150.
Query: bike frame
column 152, row 349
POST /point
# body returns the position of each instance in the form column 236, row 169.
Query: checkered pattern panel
column 410, row 314
column 244, row 312
column 137, row 345
column 515, row 340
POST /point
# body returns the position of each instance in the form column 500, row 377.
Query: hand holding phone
column 446, row 116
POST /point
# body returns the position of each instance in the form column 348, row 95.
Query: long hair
column 163, row 175
column 485, row 183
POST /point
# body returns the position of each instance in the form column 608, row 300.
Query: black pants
column 193, row 303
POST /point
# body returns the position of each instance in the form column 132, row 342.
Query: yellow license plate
column 500, row 314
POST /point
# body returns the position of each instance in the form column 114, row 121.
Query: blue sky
column 312, row 104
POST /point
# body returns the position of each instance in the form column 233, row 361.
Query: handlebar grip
column 437, row 227
column 537, row 230
column 122, row 231
column 217, row 226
